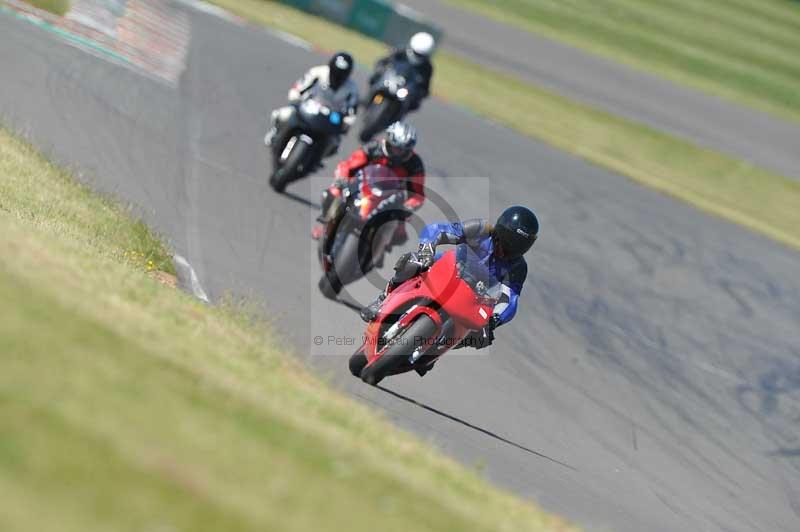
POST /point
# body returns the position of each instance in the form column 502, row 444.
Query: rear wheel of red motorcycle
column 394, row 357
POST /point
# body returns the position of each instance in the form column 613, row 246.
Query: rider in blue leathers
column 499, row 246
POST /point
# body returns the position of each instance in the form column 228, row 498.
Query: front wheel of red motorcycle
column 404, row 345
column 357, row 362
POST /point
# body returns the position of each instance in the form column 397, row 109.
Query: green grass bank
column 741, row 50
column 57, row 7
column 126, row 405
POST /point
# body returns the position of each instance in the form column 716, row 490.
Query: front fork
column 330, row 206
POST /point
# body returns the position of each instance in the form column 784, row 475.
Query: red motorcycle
column 427, row 315
column 360, row 227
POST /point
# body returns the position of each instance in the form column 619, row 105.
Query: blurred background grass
column 742, row 50
column 58, row 7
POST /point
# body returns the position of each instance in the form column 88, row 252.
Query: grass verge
column 57, row 7
column 126, row 405
column 740, row 192
column 742, row 50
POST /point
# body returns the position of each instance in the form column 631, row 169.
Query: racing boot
column 423, row 370
column 273, row 130
column 377, row 262
column 270, row 136
column 276, row 119
column 370, row 312
column 424, row 365
column 328, row 210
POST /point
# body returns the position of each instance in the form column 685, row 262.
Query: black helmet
column 339, row 68
column 515, row 232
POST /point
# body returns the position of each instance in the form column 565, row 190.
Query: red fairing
column 348, row 168
column 439, row 293
column 414, row 171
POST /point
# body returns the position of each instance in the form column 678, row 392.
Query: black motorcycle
column 360, row 227
column 389, row 98
column 310, row 134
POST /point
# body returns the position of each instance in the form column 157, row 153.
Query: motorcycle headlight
column 402, row 93
column 311, row 107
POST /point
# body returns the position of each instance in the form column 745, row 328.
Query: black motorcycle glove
column 411, row 264
column 422, row 259
column 426, row 254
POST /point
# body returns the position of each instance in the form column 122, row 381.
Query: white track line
column 216, row 11
column 294, row 40
column 187, row 279
column 213, row 10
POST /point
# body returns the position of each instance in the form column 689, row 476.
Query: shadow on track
column 352, row 305
column 473, row 427
column 785, row 453
column 300, row 199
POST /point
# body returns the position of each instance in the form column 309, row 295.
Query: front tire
column 294, row 167
column 357, row 362
column 397, row 354
column 378, row 117
column 330, row 288
column 347, row 262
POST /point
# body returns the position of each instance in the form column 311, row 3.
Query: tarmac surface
column 651, row 379
column 749, row 134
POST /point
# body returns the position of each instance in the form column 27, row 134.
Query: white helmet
column 420, row 46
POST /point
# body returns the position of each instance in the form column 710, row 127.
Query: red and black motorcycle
column 427, row 315
column 360, row 227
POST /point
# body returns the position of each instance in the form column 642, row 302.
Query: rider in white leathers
column 334, row 76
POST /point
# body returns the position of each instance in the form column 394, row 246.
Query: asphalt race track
column 736, row 130
column 651, row 380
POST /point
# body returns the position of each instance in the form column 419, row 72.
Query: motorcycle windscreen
column 466, row 290
column 400, row 74
column 322, row 111
column 380, row 181
column 473, row 271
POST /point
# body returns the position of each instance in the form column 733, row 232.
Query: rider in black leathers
column 417, row 53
